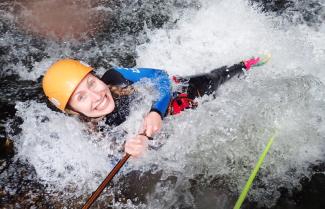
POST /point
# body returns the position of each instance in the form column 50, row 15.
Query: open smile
column 102, row 104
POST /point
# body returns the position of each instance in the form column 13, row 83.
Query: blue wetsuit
column 196, row 86
column 124, row 77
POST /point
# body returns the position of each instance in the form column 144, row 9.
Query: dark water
column 19, row 184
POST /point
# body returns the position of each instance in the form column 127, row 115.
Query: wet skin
column 92, row 98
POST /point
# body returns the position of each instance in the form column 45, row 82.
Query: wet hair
column 119, row 91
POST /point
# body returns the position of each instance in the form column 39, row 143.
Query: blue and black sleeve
column 128, row 76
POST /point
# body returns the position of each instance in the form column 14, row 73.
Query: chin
column 105, row 112
column 101, row 113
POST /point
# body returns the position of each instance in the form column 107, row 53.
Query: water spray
column 254, row 173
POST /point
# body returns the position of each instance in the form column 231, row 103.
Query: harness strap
column 180, row 103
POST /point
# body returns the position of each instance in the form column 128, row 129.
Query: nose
column 95, row 96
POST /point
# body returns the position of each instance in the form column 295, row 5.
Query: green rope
column 253, row 174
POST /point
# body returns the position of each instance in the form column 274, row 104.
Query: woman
column 72, row 87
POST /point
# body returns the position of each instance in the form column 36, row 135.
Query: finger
column 130, row 144
column 143, row 137
column 149, row 131
column 136, row 150
column 140, row 141
column 155, row 129
column 146, row 137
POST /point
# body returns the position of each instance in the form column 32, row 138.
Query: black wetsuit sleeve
column 113, row 77
column 207, row 83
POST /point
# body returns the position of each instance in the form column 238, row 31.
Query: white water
column 224, row 136
column 57, row 147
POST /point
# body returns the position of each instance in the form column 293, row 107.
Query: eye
column 91, row 83
column 81, row 97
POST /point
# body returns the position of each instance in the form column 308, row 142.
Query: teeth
column 99, row 106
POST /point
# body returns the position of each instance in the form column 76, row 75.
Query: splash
column 223, row 138
column 208, row 152
column 59, row 148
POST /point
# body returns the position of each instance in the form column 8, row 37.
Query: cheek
column 105, row 88
column 83, row 107
column 100, row 85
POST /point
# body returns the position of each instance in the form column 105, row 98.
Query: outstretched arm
column 161, row 83
column 127, row 76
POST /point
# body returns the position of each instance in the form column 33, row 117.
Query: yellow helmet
column 62, row 78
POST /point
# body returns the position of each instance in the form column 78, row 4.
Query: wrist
column 144, row 134
column 157, row 111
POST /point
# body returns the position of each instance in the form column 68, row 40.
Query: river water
column 202, row 158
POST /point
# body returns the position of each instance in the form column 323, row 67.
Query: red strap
column 180, row 103
column 175, row 79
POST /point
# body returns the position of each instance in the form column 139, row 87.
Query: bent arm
column 160, row 79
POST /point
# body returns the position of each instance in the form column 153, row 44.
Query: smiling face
column 92, row 97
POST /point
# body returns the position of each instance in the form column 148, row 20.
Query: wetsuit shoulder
column 113, row 77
